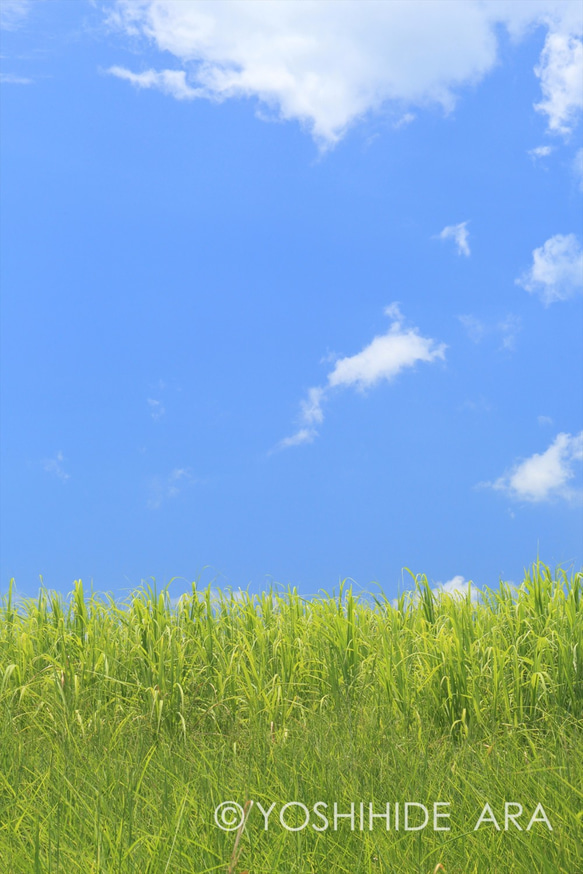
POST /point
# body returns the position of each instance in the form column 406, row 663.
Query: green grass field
column 124, row 727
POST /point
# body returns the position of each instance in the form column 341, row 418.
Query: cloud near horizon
column 327, row 65
column 457, row 587
column 546, row 475
column 384, row 357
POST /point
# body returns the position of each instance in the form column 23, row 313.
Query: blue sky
column 290, row 292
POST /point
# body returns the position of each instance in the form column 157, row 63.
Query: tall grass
column 123, row 725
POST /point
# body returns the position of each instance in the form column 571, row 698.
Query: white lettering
column 320, row 828
column 386, row 816
column 349, row 816
column 295, row 828
column 486, row 818
column 512, row 816
column 437, row 815
column 542, row 818
column 265, row 813
column 415, row 828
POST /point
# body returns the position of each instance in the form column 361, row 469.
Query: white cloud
column 544, row 420
column 545, row 475
column 540, row 152
column 385, row 356
column 328, row 64
column 167, row 487
column 55, row 466
column 557, row 269
column 383, row 359
column 561, row 74
column 459, row 234
column 457, row 587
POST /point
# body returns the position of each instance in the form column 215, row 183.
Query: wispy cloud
column 158, row 390
column 12, row 79
column 557, row 269
column 157, row 409
column 164, row 488
column 477, row 405
column 546, row 475
column 311, row 414
column 303, row 435
column 55, row 467
column 405, row 120
column 13, row 13
column 507, row 329
column 382, row 360
column 312, row 407
column 171, row 82
column 540, row 152
column 459, row 234
column 561, row 73
column 476, row 329
column 327, row 65
column 578, row 168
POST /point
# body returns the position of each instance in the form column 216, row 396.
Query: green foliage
column 122, row 726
